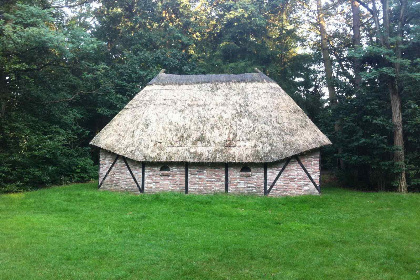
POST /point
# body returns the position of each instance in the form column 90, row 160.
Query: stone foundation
column 207, row 178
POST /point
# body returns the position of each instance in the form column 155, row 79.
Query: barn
column 205, row 134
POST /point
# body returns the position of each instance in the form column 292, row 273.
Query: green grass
column 77, row 232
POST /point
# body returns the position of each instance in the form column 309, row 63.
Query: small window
column 165, row 168
column 245, row 171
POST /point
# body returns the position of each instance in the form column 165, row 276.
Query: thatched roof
column 169, row 79
column 211, row 118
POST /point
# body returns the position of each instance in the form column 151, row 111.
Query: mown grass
column 77, row 232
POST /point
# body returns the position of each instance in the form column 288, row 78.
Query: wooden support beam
column 186, row 178
column 226, row 177
column 132, row 174
column 265, row 178
column 307, row 174
column 109, row 170
column 143, row 174
column 278, row 176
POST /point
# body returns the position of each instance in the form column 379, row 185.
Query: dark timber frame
column 226, row 177
column 141, row 188
column 186, row 178
column 267, row 192
column 143, row 174
column 278, row 175
column 266, row 189
column 109, row 170
column 309, row 175
column 132, row 175
column 265, row 179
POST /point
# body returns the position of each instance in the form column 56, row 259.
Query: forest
column 68, row 67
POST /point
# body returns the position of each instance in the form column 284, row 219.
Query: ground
column 77, row 232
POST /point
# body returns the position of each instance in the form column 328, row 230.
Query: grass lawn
column 77, row 232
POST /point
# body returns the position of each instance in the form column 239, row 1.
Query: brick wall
column 205, row 178
column 242, row 183
column 161, row 181
column 293, row 180
column 119, row 178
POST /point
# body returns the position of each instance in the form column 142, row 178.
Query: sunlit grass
column 77, row 232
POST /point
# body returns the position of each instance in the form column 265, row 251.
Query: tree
column 356, row 43
column 326, row 55
column 364, row 65
column 394, row 21
column 65, row 73
column 47, row 71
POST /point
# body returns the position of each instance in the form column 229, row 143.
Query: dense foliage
column 67, row 67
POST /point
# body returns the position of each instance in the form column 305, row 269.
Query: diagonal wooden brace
column 109, row 170
column 307, row 174
column 132, row 175
column 278, row 175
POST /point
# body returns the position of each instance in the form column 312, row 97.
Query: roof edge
column 210, row 161
column 173, row 79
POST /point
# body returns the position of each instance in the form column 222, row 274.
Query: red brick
column 206, row 178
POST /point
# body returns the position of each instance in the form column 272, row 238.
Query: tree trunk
column 332, row 97
column 356, row 43
column 375, row 16
column 398, row 135
column 393, row 82
column 394, row 92
column 325, row 55
column 395, row 89
column 385, row 13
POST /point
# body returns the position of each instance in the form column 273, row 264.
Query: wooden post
column 186, row 178
column 109, row 170
column 265, row 178
column 309, row 175
column 143, row 173
column 226, row 177
column 132, row 174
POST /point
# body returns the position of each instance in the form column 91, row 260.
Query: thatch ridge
column 230, row 119
column 171, row 79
